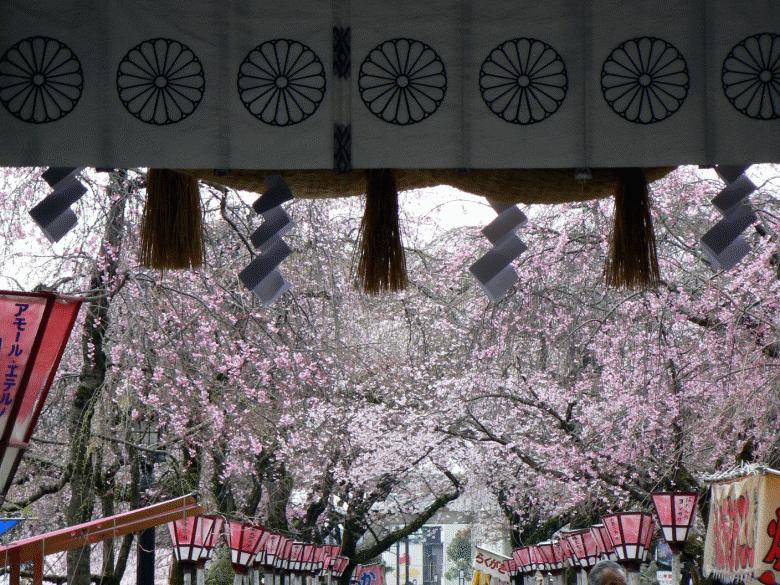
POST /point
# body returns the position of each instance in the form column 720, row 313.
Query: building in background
column 438, row 552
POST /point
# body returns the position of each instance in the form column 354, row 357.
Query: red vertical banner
column 34, row 329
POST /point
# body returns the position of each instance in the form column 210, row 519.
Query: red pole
column 38, row 571
column 14, row 570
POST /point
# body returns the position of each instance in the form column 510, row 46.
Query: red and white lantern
column 522, row 557
column 319, row 558
column 244, row 541
column 258, row 561
column 584, row 547
column 296, row 557
column 307, row 558
column 340, row 565
column 299, row 559
column 631, row 534
column 559, row 555
column 538, row 562
column 331, row 554
column 676, row 512
column 271, row 545
column 547, row 553
column 283, row 555
column 603, row 542
column 191, row 537
column 211, row 540
column 34, row 329
column 513, row 568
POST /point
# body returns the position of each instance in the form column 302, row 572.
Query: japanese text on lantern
column 15, row 352
column 682, row 506
column 734, row 533
column 773, row 530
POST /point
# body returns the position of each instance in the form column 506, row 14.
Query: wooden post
column 14, row 570
column 38, row 571
column 675, row 568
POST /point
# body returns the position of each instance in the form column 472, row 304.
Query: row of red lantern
column 251, row 547
column 625, row 537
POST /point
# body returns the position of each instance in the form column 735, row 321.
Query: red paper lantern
column 339, row 566
column 296, row 557
column 584, row 547
column 190, row 537
column 603, row 541
column 538, row 562
column 212, row 539
column 283, row 554
column 272, row 547
column 522, row 557
column 676, row 512
column 34, row 329
column 631, row 534
column 568, row 553
column 560, row 555
column 331, row 553
column 300, row 557
column 548, row 557
column 532, row 559
column 243, row 540
column 319, row 556
column 259, row 559
column 309, row 551
column 512, row 567
column 572, row 548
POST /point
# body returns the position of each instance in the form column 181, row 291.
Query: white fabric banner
column 743, row 532
column 436, row 84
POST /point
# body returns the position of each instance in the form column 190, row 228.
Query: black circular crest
column 751, row 76
column 160, row 81
column 281, row 82
column 645, row 80
column 523, row 81
column 40, row 80
column 402, row 81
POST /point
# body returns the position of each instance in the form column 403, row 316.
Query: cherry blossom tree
column 333, row 415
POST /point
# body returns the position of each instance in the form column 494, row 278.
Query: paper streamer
column 54, row 215
column 723, row 244
column 263, row 276
column 494, row 271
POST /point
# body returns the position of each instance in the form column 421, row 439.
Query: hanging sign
column 308, row 84
column 34, row 328
column 490, row 563
column 743, row 532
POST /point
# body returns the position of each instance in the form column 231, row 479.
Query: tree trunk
column 91, row 380
column 279, row 491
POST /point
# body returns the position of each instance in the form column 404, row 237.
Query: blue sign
column 7, row 524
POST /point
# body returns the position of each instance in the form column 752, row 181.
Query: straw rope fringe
column 509, row 186
column 171, row 231
column 633, row 260
column 381, row 265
